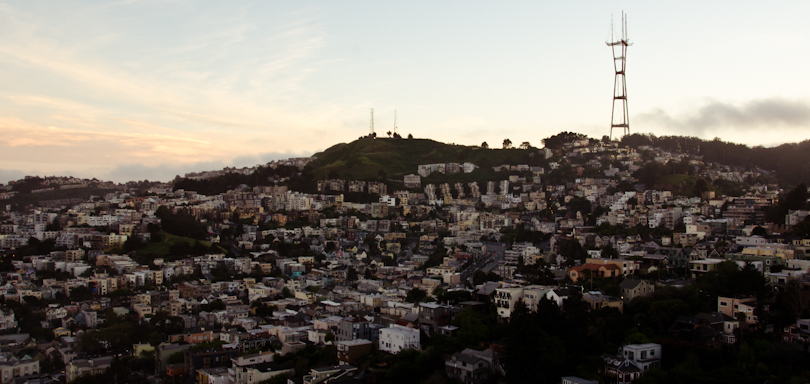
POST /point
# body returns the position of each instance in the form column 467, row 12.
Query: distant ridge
column 389, row 159
column 790, row 161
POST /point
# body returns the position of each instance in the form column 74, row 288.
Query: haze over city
column 150, row 89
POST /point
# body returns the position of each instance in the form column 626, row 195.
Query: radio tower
column 619, row 118
column 395, row 121
column 372, row 123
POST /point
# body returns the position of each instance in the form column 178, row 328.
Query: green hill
column 368, row 159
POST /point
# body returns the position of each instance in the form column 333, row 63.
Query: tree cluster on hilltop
column 559, row 140
column 229, row 181
column 783, row 159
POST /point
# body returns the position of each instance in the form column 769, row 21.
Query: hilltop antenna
column 619, row 119
column 372, row 122
column 395, row 121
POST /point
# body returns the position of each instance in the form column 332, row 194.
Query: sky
column 149, row 89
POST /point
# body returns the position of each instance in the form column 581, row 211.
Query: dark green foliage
column 472, row 327
column 453, row 297
column 221, row 184
column 793, row 200
column 557, row 141
column 412, row 366
column 782, row 159
column 176, row 358
column 80, row 293
column 180, row 223
column 579, row 204
column 351, row 274
column 572, row 250
column 363, row 159
column 519, row 235
column 608, row 252
column 116, row 338
column 415, row 295
column 133, row 243
column 122, row 370
column 729, row 280
column 479, row 277
column 759, row 231
column 533, row 356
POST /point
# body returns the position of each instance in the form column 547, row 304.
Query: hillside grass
column 162, row 248
column 365, row 158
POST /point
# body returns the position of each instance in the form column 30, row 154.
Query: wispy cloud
column 220, row 85
column 716, row 115
column 165, row 171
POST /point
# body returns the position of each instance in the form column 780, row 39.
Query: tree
column 351, row 274
column 559, row 140
column 701, row 185
column 479, row 277
column 664, row 312
column 608, row 252
column 415, row 295
column 472, row 327
column 507, row 143
column 525, row 145
column 133, row 243
column 410, row 136
column 80, row 293
column 484, row 145
column 329, row 337
column 286, row 292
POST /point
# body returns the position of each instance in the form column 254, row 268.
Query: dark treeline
column 229, row 181
column 181, row 223
column 550, row 342
column 788, row 160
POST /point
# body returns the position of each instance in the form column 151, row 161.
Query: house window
column 723, row 304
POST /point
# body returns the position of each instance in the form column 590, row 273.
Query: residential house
column 798, row 334
column 398, row 338
column 591, row 269
column 351, row 351
column 597, row 300
column 467, row 369
column 632, row 288
column 733, row 307
column 645, row 356
column 85, row 367
column 13, row 367
column 329, row 374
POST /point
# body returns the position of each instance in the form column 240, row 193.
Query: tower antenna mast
column 395, row 121
column 619, row 119
column 372, row 122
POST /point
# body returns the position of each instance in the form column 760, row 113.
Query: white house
column 645, row 356
column 397, row 338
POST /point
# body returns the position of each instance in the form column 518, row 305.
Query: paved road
column 492, row 257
